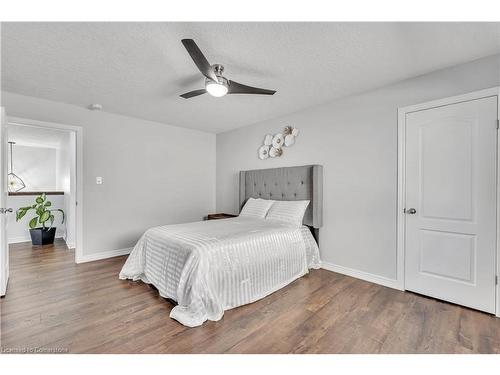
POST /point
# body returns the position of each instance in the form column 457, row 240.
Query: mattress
column 208, row 267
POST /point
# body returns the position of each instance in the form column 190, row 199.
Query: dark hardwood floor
column 56, row 305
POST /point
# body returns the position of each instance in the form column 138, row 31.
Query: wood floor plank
column 52, row 303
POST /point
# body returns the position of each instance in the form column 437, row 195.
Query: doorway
column 67, row 142
column 76, row 202
column 41, row 161
column 448, row 200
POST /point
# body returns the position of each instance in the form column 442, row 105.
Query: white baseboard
column 103, row 255
column 24, row 239
column 376, row 279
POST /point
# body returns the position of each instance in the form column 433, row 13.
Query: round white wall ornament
column 289, row 140
column 268, row 140
column 278, row 140
column 275, row 152
column 263, row 152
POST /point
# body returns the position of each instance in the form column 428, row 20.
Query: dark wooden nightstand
column 219, row 216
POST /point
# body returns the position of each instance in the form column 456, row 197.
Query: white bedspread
column 212, row 266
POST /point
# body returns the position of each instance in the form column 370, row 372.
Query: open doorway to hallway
column 44, row 160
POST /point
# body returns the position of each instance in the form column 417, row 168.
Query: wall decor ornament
column 275, row 152
column 278, row 140
column 268, row 140
column 264, row 152
column 289, row 140
column 273, row 144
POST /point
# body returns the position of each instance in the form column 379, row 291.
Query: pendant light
column 14, row 181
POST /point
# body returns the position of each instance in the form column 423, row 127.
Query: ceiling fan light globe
column 216, row 89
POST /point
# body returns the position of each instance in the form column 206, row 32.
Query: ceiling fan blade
column 238, row 88
column 193, row 93
column 199, row 59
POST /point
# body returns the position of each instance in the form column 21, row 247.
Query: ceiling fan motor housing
column 218, row 69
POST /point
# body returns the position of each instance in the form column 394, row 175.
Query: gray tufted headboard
column 288, row 184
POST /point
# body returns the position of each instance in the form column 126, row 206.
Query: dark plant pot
column 40, row 236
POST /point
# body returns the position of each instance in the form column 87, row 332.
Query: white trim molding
column 370, row 277
column 400, row 216
column 103, row 255
column 70, row 245
column 498, row 204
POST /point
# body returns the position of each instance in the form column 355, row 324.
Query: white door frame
column 79, row 171
column 402, row 112
column 4, row 254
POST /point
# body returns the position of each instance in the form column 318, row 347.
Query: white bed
column 208, row 267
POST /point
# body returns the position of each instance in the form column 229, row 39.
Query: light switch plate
column 98, row 180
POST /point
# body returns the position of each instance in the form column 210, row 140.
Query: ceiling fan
column 215, row 83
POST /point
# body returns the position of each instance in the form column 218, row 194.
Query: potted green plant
column 45, row 234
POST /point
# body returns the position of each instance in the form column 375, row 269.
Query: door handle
column 410, row 211
column 5, row 210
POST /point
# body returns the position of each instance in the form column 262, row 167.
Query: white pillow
column 256, row 207
column 288, row 211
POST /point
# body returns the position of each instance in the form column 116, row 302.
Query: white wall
column 355, row 139
column 66, row 181
column 153, row 173
column 19, row 231
column 36, row 166
column 63, row 164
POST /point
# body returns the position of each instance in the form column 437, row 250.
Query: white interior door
column 450, row 239
column 4, row 247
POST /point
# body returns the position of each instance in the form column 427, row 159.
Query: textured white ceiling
column 139, row 69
